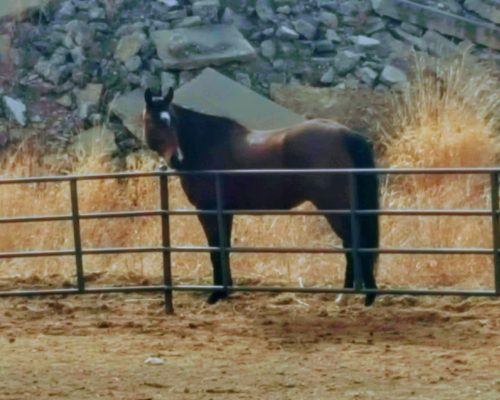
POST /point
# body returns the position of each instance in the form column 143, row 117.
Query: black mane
column 206, row 123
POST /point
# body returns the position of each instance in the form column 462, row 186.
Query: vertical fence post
column 355, row 232
column 496, row 229
column 77, row 238
column 219, row 192
column 165, row 242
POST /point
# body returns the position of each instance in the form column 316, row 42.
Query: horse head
column 160, row 130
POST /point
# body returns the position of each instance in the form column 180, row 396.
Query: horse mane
column 216, row 126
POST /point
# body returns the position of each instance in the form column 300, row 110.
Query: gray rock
column 284, row 10
column 53, row 72
column 305, row 28
column 227, row 16
column 149, row 80
column 16, row 109
column 268, row 49
column 264, row 10
column 391, row 75
column 333, row 36
column 79, row 33
column 65, row 101
column 328, row 77
column 286, row 33
column 175, row 14
column 4, row 47
column 390, row 46
column 328, row 19
column 88, row 99
column 488, row 9
column 130, row 45
column 440, row 21
column 20, row 9
column 201, row 46
column 243, row 78
column 128, row 107
column 207, row 10
column 133, row 63
column 367, row 75
column 373, row 24
column 438, row 45
column 97, row 13
column 412, row 29
column 170, row 3
column 365, row 43
column 189, row 22
column 280, row 3
column 417, row 42
column 323, row 46
column 168, row 80
column 346, row 61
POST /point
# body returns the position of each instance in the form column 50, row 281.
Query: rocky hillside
column 62, row 62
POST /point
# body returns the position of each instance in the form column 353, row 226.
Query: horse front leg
column 220, row 260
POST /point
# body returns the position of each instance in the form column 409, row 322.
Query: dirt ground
column 254, row 346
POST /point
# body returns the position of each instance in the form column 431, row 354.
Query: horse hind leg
column 341, row 226
column 220, row 262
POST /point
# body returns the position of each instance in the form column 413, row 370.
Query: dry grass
column 447, row 119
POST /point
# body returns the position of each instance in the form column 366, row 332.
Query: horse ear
column 148, row 97
column 169, row 96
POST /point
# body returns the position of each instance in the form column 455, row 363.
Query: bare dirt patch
column 252, row 346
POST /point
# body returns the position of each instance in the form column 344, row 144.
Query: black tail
column 362, row 154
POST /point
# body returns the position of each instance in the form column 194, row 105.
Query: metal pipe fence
column 164, row 212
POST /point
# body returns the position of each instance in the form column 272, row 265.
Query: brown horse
column 192, row 141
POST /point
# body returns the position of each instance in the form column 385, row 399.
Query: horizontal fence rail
column 78, row 251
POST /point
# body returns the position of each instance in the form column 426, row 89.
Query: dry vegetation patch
column 445, row 118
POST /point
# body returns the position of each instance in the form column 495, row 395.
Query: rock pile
column 83, row 53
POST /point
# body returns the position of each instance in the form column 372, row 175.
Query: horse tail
column 361, row 151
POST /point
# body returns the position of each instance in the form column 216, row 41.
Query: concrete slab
column 201, row 46
column 440, row 21
column 128, row 107
column 213, row 93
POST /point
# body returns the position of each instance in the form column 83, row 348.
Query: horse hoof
column 369, row 299
column 341, row 300
column 216, row 296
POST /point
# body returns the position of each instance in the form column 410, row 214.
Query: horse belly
column 261, row 192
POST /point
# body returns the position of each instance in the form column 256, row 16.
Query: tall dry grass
column 449, row 116
column 446, row 118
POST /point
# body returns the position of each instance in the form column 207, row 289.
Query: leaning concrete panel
column 128, row 107
column 201, row 46
column 441, row 21
column 215, row 94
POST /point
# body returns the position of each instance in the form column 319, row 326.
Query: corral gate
column 166, row 249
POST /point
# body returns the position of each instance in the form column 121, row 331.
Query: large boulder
column 215, row 94
column 201, row 46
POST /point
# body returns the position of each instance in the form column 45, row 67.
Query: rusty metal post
column 75, row 216
column 355, row 232
column 496, row 229
column 165, row 242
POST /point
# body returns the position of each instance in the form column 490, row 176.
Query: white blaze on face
column 165, row 116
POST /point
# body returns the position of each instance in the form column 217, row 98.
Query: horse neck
column 204, row 141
